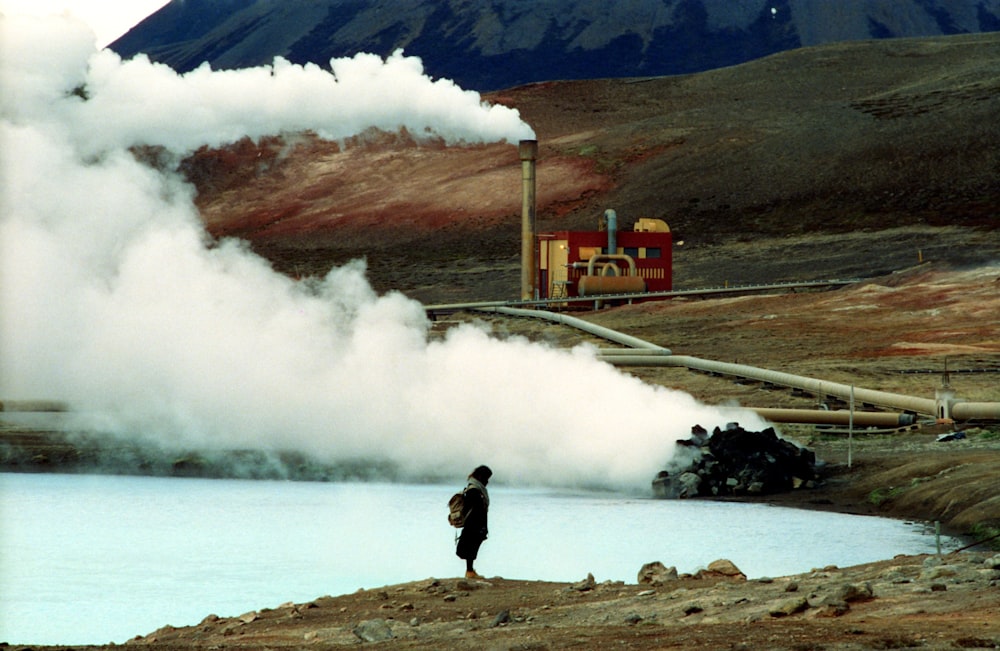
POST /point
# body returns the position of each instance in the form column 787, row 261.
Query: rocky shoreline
column 926, row 602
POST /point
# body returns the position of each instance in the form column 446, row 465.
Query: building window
column 652, row 252
column 631, row 251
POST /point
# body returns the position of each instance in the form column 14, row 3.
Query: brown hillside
column 849, row 138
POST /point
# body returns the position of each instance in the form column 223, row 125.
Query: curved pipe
column 618, row 256
column 580, row 324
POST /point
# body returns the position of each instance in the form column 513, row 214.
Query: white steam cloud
column 113, row 298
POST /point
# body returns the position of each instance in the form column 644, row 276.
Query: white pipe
column 821, row 388
column 579, row 324
column 839, row 417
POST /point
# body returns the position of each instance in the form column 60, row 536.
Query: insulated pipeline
column 822, row 388
column 649, row 354
column 579, row 324
column 839, row 417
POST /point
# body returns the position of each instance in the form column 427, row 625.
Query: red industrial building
column 606, row 261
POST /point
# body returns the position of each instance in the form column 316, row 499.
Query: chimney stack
column 528, row 151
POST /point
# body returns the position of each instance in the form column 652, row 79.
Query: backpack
column 457, row 510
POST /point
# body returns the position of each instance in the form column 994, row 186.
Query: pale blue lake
column 95, row 559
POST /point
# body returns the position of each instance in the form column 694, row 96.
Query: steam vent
column 735, row 461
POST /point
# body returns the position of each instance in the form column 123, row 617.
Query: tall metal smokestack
column 528, row 150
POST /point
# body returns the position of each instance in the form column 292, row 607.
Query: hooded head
column 482, row 473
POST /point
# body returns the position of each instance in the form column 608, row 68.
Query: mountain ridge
column 492, row 45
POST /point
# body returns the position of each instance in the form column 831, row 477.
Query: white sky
column 108, row 18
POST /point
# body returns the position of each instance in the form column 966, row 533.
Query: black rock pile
column 734, row 461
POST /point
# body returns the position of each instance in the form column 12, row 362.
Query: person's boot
column 471, row 574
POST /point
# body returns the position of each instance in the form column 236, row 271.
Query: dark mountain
column 493, row 44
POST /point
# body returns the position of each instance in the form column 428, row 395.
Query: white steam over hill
column 113, row 298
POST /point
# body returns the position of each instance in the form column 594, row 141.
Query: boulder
column 722, row 569
column 656, row 574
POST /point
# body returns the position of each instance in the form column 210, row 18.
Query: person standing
column 475, row 530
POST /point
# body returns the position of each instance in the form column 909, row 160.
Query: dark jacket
column 476, row 529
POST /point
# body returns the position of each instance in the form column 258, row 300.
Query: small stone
column 503, row 617
column 587, row 584
column 938, row 572
column 852, row 592
column 831, row 610
column 633, row 618
column 373, row 630
column 688, row 485
column 790, row 607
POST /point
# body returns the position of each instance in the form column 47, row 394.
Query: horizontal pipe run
column 839, row 417
column 975, row 411
column 732, row 290
column 816, row 387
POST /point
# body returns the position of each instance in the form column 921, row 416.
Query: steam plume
column 113, row 298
